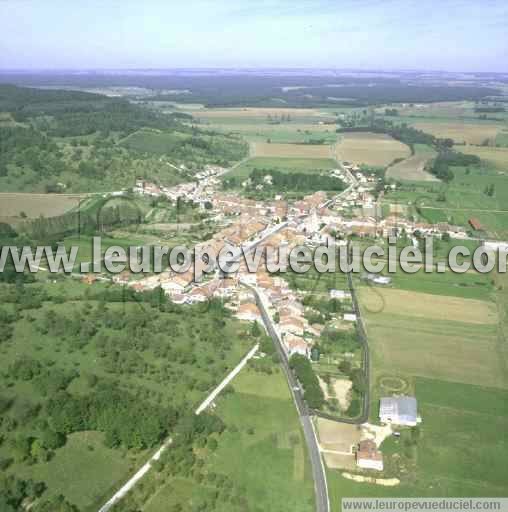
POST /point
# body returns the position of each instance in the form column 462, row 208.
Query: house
column 475, row 224
column 178, row 298
column 172, row 287
column 249, row 312
column 400, row 410
column 296, row 345
column 339, row 294
column 89, row 279
column 349, row 317
column 197, row 295
column 368, row 456
column 290, row 324
column 122, row 278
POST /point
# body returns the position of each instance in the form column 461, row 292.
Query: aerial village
column 317, row 219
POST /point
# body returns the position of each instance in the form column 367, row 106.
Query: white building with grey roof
column 399, row 410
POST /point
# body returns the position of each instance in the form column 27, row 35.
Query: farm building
column 368, row 456
column 296, row 345
column 339, row 294
column 401, row 410
column 475, row 224
column 349, row 317
column 377, row 279
column 249, row 312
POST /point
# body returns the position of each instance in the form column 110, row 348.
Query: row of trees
column 298, row 182
column 313, row 394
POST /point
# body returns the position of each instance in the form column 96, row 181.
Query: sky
column 451, row 35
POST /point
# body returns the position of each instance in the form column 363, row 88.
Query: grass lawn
column 471, row 285
column 85, row 246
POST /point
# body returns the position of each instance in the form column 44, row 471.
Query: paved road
column 213, row 395
column 146, row 467
column 318, row 470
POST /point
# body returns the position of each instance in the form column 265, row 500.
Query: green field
column 464, row 197
column 288, row 165
column 460, row 450
column 263, row 125
column 84, row 470
column 470, row 285
column 456, row 368
column 262, row 451
column 502, row 139
column 68, row 340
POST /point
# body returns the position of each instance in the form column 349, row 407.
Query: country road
column 318, row 469
column 147, row 466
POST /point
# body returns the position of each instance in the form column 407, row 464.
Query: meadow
column 373, row 149
column 15, row 207
column 262, row 450
column 263, row 149
column 270, row 124
column 413, row 167
column 464, row 197
column 419, row 333
column 84, row 458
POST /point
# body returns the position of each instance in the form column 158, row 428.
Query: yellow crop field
column 259, row 112
column 413, row 167
column 470, row 133
column 14, row 206
column 496, row 156
column 432, row 307
column 440, row 337
column 370, row 149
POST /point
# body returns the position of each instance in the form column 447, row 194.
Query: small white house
column 339, row 294
column 349, row 317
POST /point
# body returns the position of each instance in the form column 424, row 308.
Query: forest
column 73, row 141
column 130, row 365
column 266, row 90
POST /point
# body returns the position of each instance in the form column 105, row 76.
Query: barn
column 400, row 410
